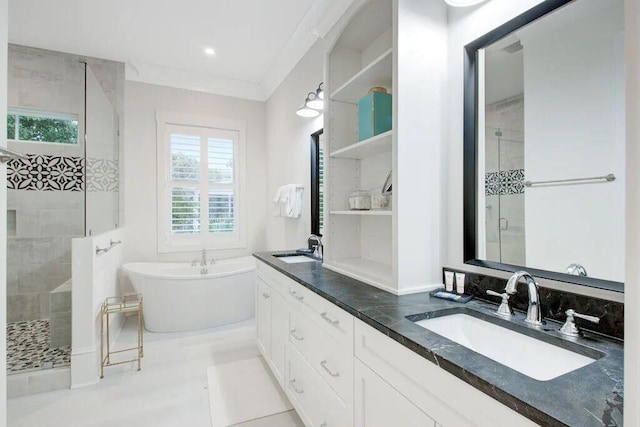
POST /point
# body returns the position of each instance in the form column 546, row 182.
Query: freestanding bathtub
column 177, row 297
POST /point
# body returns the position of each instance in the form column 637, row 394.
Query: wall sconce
column 313, row 103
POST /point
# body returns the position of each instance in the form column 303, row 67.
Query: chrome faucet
column 534, row 314
column 203, row 258
column 577, row 270
column 318, row 248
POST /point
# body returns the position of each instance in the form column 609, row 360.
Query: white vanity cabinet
column 443, row 398
column 378, row 404
column 272, row 315
column 339, row 371
column 263, row 315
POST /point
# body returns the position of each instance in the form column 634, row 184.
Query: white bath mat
column 243, row 390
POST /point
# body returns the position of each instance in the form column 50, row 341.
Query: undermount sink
column 294, row 258
column 526, row 354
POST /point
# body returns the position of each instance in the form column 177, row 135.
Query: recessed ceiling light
column 209, row 51
column 462, row 3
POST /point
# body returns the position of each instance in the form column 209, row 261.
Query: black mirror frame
column 470, row 153
column 315, row 182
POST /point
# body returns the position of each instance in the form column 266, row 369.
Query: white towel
column 279, row 199
column 287, row 201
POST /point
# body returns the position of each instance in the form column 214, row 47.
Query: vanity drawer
column 336, row 322
column 317, row 404
column 274, row 279
column 332, row 362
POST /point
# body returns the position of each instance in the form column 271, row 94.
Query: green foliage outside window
column 11, row 127
column 47, row 130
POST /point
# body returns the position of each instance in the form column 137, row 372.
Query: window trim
column 167, row 242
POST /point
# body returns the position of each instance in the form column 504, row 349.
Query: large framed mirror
column 544, row 142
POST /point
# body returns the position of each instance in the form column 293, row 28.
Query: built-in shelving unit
column 380, row 212
column 378, row 73
column 359, row 243
column 373, row 272
column 367, row 148
column 395, row 250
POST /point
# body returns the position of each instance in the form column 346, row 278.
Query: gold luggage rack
column 128, row 303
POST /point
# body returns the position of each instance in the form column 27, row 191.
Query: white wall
column 141, row 103
column 95, row 277
column 288, row 143
column 632, row 276
column 4, row 27
column 465, row 25
column 575, row 129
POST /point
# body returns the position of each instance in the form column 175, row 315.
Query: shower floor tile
column 28, row 347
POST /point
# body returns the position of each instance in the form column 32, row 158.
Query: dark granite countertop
column 589, row 396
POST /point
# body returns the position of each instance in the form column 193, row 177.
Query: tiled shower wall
column 46, row 210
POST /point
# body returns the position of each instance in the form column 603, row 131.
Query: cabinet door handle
column 324, row 366
column 296, row 296
column 265, row 295
column 332, row 322
column 296, row 336
column 296, row 389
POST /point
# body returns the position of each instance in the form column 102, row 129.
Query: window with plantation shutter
column 199, row 180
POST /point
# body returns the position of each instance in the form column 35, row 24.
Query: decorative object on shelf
column 379, row 200
column 360, row 201
column 374, row 113
column 387, row 188
column 313, row 103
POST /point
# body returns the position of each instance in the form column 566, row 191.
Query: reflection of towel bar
column 607, row 178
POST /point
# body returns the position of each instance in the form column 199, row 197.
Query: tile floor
column 171, row 389
column 28, row 347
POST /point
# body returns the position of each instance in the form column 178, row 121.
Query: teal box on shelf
column 374, row 114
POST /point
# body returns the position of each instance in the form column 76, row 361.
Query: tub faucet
column 577, row 270
column 534, row 314
column 318, row 248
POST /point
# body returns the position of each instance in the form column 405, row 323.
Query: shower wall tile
column 23, row 307
column 12, row 280
column 36, row 278
column 61, row 222
column 27, row 223
column 43, row 250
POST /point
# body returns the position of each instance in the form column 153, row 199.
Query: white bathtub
column 176, row 297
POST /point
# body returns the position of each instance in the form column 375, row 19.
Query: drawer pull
column 296, row 389
column 325, row 317
column 265, row 295
column 324, row 366
column 296, row 336
column 296, row 296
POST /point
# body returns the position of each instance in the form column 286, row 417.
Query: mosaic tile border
column 28, row 347
column 504, row 182
column 46, row 173
column 103, row 175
